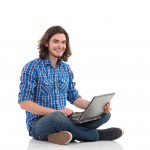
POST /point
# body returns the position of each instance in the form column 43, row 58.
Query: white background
column 110, row 42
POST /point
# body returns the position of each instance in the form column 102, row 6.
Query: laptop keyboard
column 75, row 114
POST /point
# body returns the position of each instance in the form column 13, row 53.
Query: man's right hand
column 66, row 111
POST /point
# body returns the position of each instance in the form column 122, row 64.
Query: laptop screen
column 96, row 106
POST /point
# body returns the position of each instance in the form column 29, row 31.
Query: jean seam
column 97, row 135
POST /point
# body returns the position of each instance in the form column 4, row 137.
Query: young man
column 46, row 84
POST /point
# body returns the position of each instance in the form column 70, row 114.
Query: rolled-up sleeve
column 27, row 83
column 72, row 91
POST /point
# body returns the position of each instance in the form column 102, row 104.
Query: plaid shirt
column 46, row 86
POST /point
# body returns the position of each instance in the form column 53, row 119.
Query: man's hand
column 66, row 111
column 107, row 108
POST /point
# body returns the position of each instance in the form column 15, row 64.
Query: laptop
column 94, row 109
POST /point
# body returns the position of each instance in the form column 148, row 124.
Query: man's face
column 57, row 45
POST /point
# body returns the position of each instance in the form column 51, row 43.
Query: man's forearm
column 81, row 103
column 35, row 108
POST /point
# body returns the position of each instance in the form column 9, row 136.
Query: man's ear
column 46, row 44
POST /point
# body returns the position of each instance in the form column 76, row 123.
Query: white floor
column 132, row 139
column 33, row 144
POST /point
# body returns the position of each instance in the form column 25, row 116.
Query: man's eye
column 64, row 42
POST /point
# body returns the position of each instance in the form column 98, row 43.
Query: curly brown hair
column 43, row 50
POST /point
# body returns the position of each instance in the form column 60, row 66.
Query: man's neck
column 53, row 61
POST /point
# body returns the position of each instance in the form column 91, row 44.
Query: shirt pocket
column 63, row 82
column 45, row 86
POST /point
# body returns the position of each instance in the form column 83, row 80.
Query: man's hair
column 43, row 50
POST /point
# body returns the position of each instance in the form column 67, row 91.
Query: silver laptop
column 94, row 109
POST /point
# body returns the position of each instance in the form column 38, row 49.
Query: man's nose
column 60, row 45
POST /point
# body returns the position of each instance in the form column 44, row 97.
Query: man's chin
column 55, row 55
column 58, row 56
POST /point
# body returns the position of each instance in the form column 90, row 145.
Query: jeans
column 57, row 121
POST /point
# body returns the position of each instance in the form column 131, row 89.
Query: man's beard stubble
column 50, row 53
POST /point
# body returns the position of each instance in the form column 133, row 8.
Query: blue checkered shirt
column 46, row 86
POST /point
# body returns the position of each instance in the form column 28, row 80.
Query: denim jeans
column 57, row 121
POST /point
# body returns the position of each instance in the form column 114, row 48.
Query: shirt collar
column 47, row 61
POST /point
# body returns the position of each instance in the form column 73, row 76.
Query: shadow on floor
column 99, row 145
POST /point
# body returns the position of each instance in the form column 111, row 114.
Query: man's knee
column 57, row 116
column 106, row 115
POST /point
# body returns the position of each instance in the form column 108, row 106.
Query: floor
column 129, row 141
column 33, row 144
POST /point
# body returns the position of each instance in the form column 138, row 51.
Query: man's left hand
column 107, row 108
